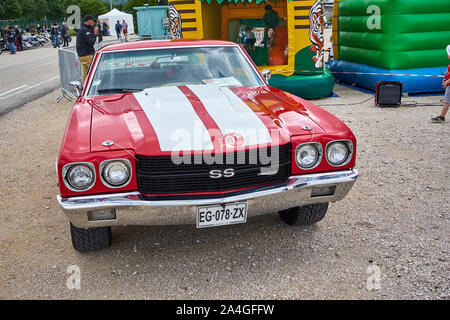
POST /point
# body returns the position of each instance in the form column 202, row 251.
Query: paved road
column 27, row 76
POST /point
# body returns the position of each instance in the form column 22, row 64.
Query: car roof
column 149, row 44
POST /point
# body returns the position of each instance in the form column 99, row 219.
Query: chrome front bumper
column 132, row 210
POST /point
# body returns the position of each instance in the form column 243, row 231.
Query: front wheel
column 304, row 216
column 92, row 239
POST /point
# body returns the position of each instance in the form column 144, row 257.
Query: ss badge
column 217, row 174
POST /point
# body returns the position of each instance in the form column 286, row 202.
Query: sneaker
column 438, row 119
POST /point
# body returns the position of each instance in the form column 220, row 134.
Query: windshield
column 132, row 71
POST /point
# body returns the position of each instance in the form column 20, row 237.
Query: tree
column 94, row 7
column 55, row 9
column 28, row 8
column 11, row 9
column 68, row 3
column 128, row 7
column 1, row 10
column 41, row 9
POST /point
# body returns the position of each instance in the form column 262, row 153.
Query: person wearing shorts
column 125, row 29
column 446, row 84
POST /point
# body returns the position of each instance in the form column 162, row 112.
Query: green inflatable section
column 307, row 82
column 311, row 86
column 394, row 34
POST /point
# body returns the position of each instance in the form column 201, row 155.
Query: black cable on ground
column 409, row 104
column 344, row 104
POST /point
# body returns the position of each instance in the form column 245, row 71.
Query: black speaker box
column 388, row 94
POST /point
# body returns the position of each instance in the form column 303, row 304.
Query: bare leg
column 445, row 109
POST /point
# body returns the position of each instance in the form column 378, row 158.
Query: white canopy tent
column 111, row 19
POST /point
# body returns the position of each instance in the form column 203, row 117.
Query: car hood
column 160, row 121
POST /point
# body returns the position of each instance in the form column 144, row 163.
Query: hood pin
column 107, row 143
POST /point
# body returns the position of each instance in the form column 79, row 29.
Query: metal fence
column 31, row 22
column 70, row 66
column 99, row 45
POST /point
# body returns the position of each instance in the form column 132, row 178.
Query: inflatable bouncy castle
column 391, row 40
column 293, row 49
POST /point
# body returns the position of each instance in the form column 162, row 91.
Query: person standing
column 118, row 30
column 125, row 29
column 271, row 21
column 19, row 41
column 249, row 42
column 65, row 34
column 105, row 29
column 86, row 38
column 99, row 26
column 446, row 85
column 54, row 31
column 11, row 37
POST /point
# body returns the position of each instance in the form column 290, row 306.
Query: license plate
column 221, row 215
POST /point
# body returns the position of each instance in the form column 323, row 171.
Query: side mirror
column 78, row 86
column 267, row 74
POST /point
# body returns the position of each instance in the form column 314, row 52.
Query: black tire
column 304, row 216
column 93, row 239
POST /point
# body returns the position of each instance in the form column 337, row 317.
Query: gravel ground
column 396, row 217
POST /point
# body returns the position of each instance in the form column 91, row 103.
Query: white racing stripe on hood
column 231, row 114
column 175, row 121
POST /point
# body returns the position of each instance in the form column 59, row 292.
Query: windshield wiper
column 118, row 90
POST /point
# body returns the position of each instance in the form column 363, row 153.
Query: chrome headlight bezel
column 103, row 166
column 68, row 167
column 348, row 144
column 319, row 150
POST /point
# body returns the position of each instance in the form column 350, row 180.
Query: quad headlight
column 115, row 173
column 339, row 153
column 79, row 176
column 308, row 155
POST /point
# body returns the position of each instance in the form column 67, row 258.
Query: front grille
column 159, row 175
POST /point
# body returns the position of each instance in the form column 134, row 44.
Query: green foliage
column 28, row 8
column 128, row 7
column 94, row 7
column 68, row 3
column 72, row 33
column 41, row 9
column 11, row 9
column 55, row 9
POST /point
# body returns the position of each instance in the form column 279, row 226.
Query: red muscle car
column 189, row 132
